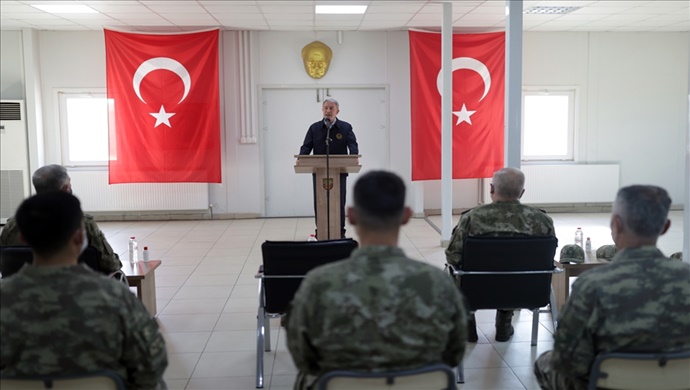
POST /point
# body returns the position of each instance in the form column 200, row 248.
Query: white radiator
column 568, row 183
column 92, row 188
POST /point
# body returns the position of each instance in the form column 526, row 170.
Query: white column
column 447, row 124
column 33, row 95
column 513, row 108
column 686, row 204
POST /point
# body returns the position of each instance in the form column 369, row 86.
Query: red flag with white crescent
column 478, row 104
column 164, row 107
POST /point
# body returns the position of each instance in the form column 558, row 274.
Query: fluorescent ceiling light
column 547, row 10
column 66, row 8
column 341, row 9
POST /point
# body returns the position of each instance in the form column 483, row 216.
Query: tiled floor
column 207, row 299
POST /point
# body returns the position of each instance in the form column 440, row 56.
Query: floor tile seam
column 183, row 283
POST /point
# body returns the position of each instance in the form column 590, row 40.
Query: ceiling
column 468, row 15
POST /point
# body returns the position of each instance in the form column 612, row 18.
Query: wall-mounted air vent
column 10, row 111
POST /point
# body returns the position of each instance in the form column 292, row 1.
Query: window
column 548, row 127
column 84, row 128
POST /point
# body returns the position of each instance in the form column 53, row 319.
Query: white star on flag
column 463, row 115
column 163, row 117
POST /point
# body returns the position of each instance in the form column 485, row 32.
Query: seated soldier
column 55, row 178
column 378, row 310
column 640, row 302
column 505, row 216
column 58, row 317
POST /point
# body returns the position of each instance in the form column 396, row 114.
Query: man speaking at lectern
column 341, row 138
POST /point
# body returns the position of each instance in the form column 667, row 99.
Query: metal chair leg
column 260, row 338
column 460, row 374
column 554, row 310
column 535, row 326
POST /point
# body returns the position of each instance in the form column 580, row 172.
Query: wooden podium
column 339, row 163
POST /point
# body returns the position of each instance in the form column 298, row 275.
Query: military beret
column 606, row 252
column 677, row 256
column 572, row 254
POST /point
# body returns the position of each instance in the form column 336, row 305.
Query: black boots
column 472, row 329
column 504, row 326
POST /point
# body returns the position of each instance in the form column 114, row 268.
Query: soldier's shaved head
column 643, row 209
column 50, row 178
column 379, row 200
column 508, row 183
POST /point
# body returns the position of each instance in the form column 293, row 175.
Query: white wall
column 632, row 89
column 632, row 104
column 11, row 68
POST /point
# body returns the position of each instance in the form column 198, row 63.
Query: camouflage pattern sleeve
column 303, row 354
column 10, row 234
column 574, row 346
column 455, row 350
column 109, row 261
column 454, row 250
column 144, row 354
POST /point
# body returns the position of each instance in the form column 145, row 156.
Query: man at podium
column 340, row 139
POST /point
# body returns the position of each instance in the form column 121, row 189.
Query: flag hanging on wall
column 164, row 107
column 478, row 104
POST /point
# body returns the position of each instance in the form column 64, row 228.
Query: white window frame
column 62, row 95
column 572, row 93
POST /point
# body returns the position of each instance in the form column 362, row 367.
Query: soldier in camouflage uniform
column 378, row 310
column 55, row 178
column 61, row 318
column 638, row 303
column 505, row 216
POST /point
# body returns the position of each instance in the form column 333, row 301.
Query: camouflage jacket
column 70, row 320
column 375, row 311
column 498, row 219
column 639, row 302
column 109, row 261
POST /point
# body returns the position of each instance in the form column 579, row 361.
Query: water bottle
column 578, row 237
column 133, row 250
column 145, row 252
column 588, row 245
column 312, row 237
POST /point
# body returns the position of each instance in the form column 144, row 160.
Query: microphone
column 329, row 124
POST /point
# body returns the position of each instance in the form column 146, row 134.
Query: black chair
column 639, row 371
column 102, row 380
column 433, row 377
column 13, row 258
column 508, row 273
column 285, row 263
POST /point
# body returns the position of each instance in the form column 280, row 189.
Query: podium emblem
column 327, row 184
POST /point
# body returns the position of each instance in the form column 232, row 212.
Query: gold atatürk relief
column 317, row 58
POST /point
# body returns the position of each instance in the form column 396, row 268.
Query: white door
column 287, row 113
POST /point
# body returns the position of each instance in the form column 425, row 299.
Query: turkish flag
column 478, row 104
column 164, row 107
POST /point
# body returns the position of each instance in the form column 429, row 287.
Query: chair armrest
column 259, row 272
column 553, row 271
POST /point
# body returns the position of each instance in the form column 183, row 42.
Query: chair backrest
column 13, row 258
column 296, row 258
column 434, row 377
column 638, row 371
column 501, row 254
column 102, row 380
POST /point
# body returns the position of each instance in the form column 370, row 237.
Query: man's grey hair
column 643, row 209
column 509, row 183
column 331, row 100
column 50, row 178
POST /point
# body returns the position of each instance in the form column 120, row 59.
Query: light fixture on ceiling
column 65, row 8
column 340, row 9
column 545, row 10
